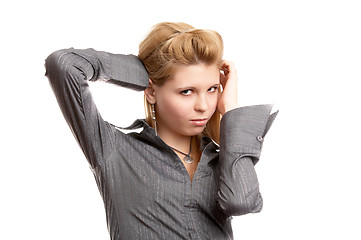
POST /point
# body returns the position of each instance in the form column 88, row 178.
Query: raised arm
column 241, row 138
column 68, row 71
column 242, row 134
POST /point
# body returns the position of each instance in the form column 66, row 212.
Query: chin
column 194, row 131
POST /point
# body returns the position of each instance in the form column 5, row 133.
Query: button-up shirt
column 146, row 188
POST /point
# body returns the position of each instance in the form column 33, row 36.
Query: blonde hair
column 169, row 45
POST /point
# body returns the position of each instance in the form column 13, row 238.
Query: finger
column 227, row 67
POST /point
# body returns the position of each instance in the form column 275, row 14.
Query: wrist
column 227, row 108
column 231, row 108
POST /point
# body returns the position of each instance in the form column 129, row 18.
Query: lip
column 199, row 121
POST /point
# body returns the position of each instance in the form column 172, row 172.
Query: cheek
column 173, row 109
column 213, row 102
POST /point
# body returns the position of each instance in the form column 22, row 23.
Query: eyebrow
column 190, row 87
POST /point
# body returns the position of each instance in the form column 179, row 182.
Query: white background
column 304, row 56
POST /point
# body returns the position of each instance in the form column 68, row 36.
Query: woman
column 186, row 173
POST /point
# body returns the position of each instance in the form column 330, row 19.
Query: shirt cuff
column 128, row 71
column 246, row 127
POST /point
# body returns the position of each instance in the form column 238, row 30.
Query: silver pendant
column 188, row 159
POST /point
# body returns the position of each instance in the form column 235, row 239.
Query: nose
column 201, row 103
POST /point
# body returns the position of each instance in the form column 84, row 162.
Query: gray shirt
column 146, row 189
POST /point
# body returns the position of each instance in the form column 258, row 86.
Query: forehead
column 196, row 74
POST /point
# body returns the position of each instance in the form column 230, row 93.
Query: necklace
column 187, row 157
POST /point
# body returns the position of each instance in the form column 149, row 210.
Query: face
column 185, row 103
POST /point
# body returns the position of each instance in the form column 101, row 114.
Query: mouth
column 199, row 121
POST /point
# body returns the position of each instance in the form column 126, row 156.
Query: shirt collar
column 149, row 134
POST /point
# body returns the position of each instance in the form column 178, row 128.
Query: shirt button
column 191, row 203
column 260, row 138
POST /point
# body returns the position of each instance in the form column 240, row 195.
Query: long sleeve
column 68, row 71
column 242, row 133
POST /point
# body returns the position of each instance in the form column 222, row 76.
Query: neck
column 180, row 142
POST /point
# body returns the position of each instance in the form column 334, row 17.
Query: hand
column 228, row 99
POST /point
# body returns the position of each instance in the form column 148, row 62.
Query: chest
column 137, row 181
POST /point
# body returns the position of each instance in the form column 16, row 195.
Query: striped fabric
column 146, row 189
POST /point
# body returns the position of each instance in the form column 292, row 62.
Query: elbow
column 57, row 67
column 236, row 206
column 64, row 65
column 55, row 62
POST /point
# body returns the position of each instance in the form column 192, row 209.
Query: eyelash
column 212, row 90
column 215, row 89
column 184, row 92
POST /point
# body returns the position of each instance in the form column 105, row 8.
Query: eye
column 213, row 89
column 186, row 92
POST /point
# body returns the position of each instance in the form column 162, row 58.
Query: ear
column 150, row 92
